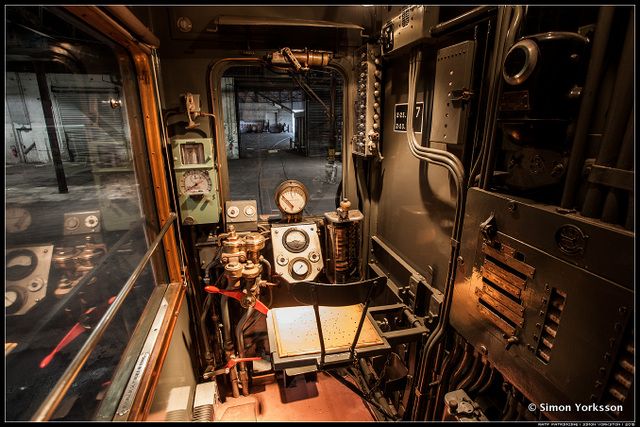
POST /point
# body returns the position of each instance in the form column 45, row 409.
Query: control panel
column 196, row 180
column 368, row 106
column 243, row 214
column 27, row 275
column 297, row 251
column 82, row 222
column 410, row 26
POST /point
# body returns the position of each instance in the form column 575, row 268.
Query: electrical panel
column 297, row 251
column 367, row 105
column 27, row 276
column 452, row 93
column 243, row 214
column 196, row 179
column 534, row 306
column 412, row 25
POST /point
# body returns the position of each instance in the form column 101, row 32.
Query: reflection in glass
column 75, row 225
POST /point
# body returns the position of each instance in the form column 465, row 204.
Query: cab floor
column 303, row 400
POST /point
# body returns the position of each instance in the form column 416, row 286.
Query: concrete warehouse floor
column 266, row 160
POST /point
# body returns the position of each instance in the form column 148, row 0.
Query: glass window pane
column 77, row 221
column 277, row 129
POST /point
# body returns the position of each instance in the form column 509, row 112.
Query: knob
column 376, row 61
column 376, row 126
column 376, row 105
column 376, row 85
column 363, row 106
column 376, row 93
column 361, row 125
column 363, row 64
column 362, row 75
column 378, row 74
column 376, row 117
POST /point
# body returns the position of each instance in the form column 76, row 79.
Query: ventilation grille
column 549, row 329
column 621, row 379
column 504, row 277
column 405, row 18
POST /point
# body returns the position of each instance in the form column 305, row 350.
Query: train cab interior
column 318, row 213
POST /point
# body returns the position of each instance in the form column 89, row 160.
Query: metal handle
column 50, row 404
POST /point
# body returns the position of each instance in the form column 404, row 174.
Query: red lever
column 74, row 333
column 233, row 362
column 71, row 335
column 237, row 295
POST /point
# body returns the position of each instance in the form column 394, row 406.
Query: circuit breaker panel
column 195, row 175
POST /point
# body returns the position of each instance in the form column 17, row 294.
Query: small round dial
column 295, row 240
column 17, row 219
column 300, row 268
column 195, row 182
column 291, row 197
column 14, row 299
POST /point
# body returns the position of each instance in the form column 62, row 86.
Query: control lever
column 85, row 323
column 489, row 228
column 230, row 365
column 237, row 295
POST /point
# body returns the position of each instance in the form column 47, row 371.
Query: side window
column 277, row 129
column 77, row 217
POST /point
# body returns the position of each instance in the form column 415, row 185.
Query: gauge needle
column 288, row 202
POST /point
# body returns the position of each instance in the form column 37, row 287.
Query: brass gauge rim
column 288, row 184
column 307, row 240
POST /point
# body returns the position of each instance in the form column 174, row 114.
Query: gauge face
column 300, row 268
column 295, row 240
column 17, row 219
column 291, row 197
column 195, row 182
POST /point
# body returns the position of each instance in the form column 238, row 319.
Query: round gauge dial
column 295, row 240
column 17, row 219
column 300, row 268
column 14, row 299
column 195, row 182
column 291, row 197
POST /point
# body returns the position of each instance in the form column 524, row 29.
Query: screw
column 538, row 325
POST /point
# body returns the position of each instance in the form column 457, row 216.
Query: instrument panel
column 297, row 251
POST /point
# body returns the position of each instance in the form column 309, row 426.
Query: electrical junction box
column 196, row 179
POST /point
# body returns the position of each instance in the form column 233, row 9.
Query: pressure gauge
column 14, row 298
column 295, row 240
column 300, row 268
column 17, row 219
column 291, row 197
column 195, row 182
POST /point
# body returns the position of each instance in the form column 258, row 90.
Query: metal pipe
column 443, row 385
column 50, row 404
column 495, row 87
column 483, row 374
column 462, row 367
column 621, row 106
column 133, row 23
column 471, row 375
column 589, row 95
column 244, row 376
column 486, row 386
column 615, row 199
column 466, row 19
